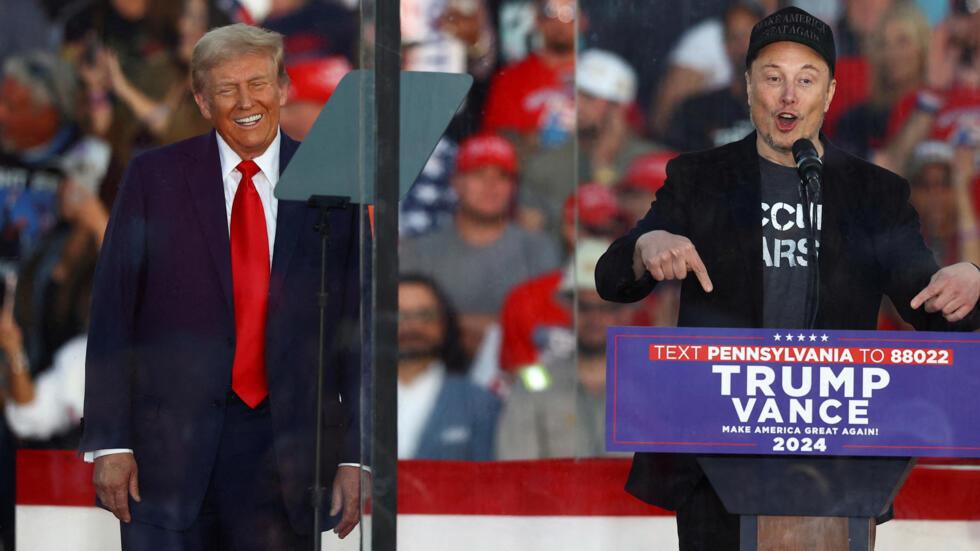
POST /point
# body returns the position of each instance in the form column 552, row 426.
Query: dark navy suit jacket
column 162, row 334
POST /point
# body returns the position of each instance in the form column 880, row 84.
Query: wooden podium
column 806, row 503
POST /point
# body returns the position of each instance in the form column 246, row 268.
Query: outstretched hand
column 668, row 256
column 953, row 290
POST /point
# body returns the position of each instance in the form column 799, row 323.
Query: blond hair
column 882, row 91
column 230, row 42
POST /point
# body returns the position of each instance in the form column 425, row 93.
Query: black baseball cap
column 793, row 25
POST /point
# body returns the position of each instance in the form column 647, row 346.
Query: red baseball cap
column 486, row 150
column 595, row 203
column 314, row 80
column 648, row 172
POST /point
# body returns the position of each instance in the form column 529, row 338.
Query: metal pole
column 323, row 227
column 384, row 403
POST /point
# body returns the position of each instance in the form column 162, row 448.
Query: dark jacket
column 870, row 246
column 162, row 334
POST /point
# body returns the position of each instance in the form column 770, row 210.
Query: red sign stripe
column 936, row 489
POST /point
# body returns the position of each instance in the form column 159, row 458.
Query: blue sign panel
column 800, row 392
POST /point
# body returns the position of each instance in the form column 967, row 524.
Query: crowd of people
column 560, row 147
column 509, row 234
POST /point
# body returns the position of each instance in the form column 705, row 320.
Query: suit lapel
column 290, row 223
column 207, row 192
column 745, row 197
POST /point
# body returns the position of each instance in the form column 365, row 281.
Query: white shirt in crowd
column 416, row 401
column 702, row 48
column 59, row 394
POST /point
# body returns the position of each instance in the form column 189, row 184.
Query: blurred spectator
column 860, row 20
column 940, row 183
column 718, row 117
column 606, row 88
column 951, row 103
column 532, row 99
column 24, row 27
column 533, row 313
column 480, row 255
column 898, row 55
column 54, row 283
column 314, row 29
column 448, row 35
column 311, row 83
column 49, row 406
column 129, row 27
column 141, row 35
column 699, row 63
column 639, row 187
column 941, row 178
column 175, row 116
column 45, row 158
column 954, row 55
column 936, row 114
column 441, row 414
column 40, row 145
column 454, row 36
column 558, row 409
column 635, row 193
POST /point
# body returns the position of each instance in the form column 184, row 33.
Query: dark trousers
column 243, row 509
column 703, row 523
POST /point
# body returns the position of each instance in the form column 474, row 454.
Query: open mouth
column 786, row 121
column 249, row 121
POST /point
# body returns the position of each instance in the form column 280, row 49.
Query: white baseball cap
column 605, row 75
column 580, row 270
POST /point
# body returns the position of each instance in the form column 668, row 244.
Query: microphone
column 808, row 165
column 810, row 168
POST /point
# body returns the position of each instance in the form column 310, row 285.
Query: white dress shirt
column 265, row 183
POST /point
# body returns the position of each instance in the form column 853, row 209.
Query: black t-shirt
column 709, row 120
column 784, row 247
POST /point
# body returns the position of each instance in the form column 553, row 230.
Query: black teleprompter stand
column 324, row 204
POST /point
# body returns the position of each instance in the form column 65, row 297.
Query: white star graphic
column 789, row 337
column 813, row 338
column 823, row 338
column 800, row 337
column 778, row 337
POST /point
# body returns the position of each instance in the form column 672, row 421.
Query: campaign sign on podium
column 800, row 392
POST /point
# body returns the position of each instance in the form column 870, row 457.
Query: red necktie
column 250, row 277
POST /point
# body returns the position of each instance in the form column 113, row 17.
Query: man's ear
column 830, row 93
column 748, row 88
column 203, row 105
column 283, row 92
